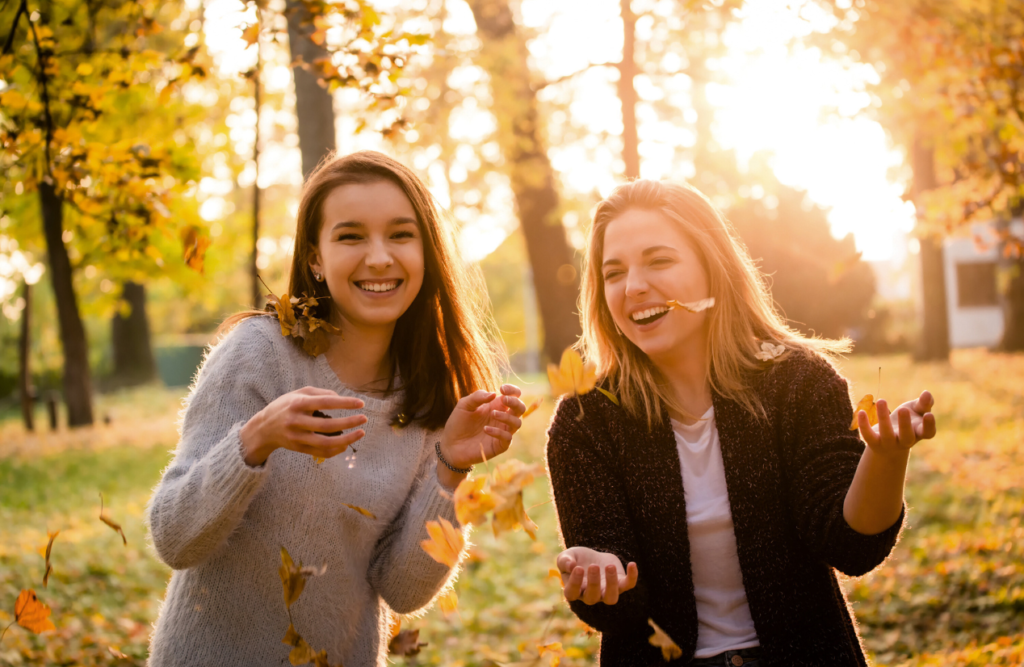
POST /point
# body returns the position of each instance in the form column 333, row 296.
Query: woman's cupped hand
column 594, row 576
column 288, row 423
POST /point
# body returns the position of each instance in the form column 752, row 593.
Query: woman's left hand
column 897, row 432
column 481, row 426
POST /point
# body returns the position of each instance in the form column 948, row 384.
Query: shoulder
column 585, row 416
column 800, row 369
column 254, row 343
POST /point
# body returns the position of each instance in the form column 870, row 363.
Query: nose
column 379, row 257
column 636, row 285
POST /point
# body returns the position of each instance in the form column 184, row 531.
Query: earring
column 319, row 277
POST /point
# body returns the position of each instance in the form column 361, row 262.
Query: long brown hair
column 444, row 345
column 743, row 316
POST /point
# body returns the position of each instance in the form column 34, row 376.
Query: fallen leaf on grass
column 868, row 405
column 445, row 543
column 32, row 614
column 49, row 546
column 669, row 649
column 555, row 649
column 110, row 522
column 406, row 643
column 293, row 577
column 362, row 510
column 472, row 503
column 692, row 306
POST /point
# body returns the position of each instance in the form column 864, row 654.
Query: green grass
column 951, row 594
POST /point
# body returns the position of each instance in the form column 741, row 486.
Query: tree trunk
column 1013, row 332
column 24, row 369
column 77, row 383
column 313, row 104
column 133, row 348
column 933, row 344
column 627, row 93
column 503, row 55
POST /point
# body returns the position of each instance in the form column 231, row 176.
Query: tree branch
column 562, row 79
column 41, row 61
column 22, row 9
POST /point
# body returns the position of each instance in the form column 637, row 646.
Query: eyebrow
column 648, row 251
column 353, row 223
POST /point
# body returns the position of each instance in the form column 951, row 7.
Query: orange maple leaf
column 510, row 479
column 572, row 376
column 445, row 543
column 32, row 614
column 669, row 649
column 868, row 405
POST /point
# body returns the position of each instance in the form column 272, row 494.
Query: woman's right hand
column 288, row 423
column 594, row 576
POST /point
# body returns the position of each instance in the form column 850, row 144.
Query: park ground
column 952, row 594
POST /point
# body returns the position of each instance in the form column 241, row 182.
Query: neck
column 685, row 370
column 359, row 356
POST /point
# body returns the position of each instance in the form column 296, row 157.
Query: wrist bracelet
column 440, row 457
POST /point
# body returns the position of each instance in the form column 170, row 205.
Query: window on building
column 976, row 284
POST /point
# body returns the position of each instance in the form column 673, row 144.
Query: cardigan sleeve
column 401, row 572
column 826, row 454
column 207, row 488
column 592, row 513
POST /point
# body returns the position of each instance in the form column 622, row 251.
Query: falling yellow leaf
column 693, row 306
column 472, row 503
column 868, row 405
column 365, row 512
column 556, row 575
column 301, row 652
column 49, row 546
column 532, row 408
column 510, row 478
column 194, row 245
column 669, row 649
column 293, row 577
column 32, row 614
column 445, row 543
column 448, row 602
column 572, row 376
column 406, row 643
column 251, row 34
column 110, row 522
column 611, row 397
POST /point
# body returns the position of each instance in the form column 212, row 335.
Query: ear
column 314, row 260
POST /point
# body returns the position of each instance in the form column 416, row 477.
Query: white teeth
column 378, row 287
column 650, row 312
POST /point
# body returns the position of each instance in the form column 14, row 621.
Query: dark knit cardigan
column 618, row 488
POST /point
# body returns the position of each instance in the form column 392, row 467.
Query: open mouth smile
column 378, row 286
column 650, row 315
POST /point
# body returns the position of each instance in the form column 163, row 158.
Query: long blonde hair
column 742, row 319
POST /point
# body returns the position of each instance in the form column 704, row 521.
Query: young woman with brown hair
column 719, row 492
column 405, row 379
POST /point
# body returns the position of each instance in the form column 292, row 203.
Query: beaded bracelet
column 440, row 457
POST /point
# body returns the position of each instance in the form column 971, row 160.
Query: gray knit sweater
column 220, row 523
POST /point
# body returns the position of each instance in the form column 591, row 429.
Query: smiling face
column 647, row 261
column 370, row 252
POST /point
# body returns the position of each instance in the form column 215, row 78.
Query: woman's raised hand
column 897, row 432
column 594, row 576
column 481, row 426
column 288, row 423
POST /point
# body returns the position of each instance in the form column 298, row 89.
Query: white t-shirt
column 723, row 615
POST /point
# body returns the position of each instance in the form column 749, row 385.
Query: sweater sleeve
column 206, row 489
column 401, row 572
column 826, row 454
column 592, row 513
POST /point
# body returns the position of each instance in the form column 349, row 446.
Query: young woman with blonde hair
column 404, row 376
column 720, row 491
